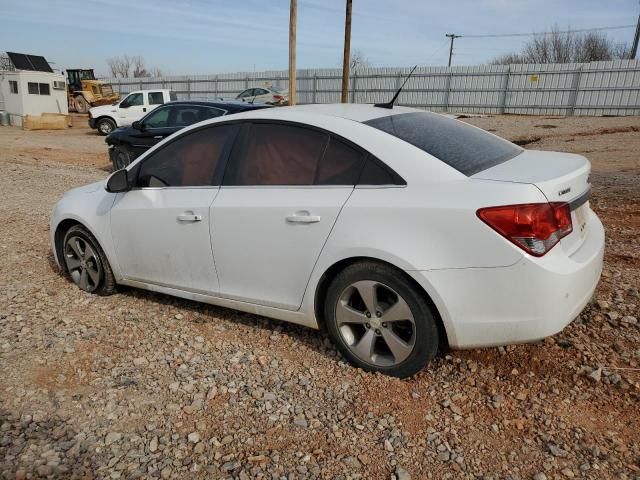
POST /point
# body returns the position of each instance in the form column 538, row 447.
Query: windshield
column 86, row 75
column 467, row 149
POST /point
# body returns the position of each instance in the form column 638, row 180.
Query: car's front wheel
column 86, row 263
column 380, row 321
column 121, row 157
column 105, row 126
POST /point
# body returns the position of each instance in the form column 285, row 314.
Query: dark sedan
column 127, row 143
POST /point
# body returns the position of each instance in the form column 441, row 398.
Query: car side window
column 185, row 115
column 158, row 119
column 246, row 93
column 277, row 154
column 135, row 99
column 191, row 160
column 377, row 173
column 261, row 91
column 213, row 112
column 156, row 98
column 340, row 165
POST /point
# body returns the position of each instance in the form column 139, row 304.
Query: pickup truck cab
column 130, row 109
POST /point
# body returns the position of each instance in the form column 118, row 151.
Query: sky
column 183, row 37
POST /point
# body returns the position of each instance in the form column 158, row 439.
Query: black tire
column 104, row 283
column 121, row 157
column 105, row 126
column 80, row 104
column 423, row 329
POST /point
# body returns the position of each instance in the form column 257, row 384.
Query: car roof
column 357, row 112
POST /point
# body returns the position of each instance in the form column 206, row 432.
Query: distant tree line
column 566, row 47
column 127, row 66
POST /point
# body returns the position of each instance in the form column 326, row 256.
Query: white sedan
column 400, row 231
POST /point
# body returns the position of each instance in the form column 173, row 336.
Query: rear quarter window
column 467, row 149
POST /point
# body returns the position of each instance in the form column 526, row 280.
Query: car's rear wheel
column 121, row 157
column 380, row 321
column 105, row 126
column 86, row 263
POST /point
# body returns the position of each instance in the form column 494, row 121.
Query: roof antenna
column 389, row 105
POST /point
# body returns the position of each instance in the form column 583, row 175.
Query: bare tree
column 120, row 66
column 565, row 47
column 358, row 60
column 139, row 69
column 127, row 66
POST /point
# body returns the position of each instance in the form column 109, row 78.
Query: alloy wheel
column 82, row 263
column 376, row 323
column 105, row 127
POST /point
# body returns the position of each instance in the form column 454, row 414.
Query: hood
column 92, row 187
column 96, row 112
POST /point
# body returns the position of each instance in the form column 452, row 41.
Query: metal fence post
column 188, row 89
column 397, row 87
column 216, row 92
column 446, row 99
column 315, row 86
column 246, row 82
column 140, row 85
column 505, row 86
column 353, row 87
column 575, row 87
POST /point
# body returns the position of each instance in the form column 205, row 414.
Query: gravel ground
column 142, row 385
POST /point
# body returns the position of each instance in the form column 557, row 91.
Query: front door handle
column 144, row 109
column 303, row 217
column 158, row 137
column 189, row 217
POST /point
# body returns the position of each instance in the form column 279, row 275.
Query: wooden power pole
column 293, row 14
column 346, row 54
column 636, row 38
column 452, row 36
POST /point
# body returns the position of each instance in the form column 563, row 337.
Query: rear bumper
column 524, row 302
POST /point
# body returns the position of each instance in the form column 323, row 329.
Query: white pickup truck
column 131, row 108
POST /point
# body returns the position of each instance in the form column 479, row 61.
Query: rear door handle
column 303, row 217
column 189, row 217
column 158, row 136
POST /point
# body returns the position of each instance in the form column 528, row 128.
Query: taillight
column 278, row 97
column 534, row 227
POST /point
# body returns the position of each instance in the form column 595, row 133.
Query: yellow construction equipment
column 84, row 91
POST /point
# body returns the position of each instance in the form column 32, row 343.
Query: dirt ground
column 142, row 385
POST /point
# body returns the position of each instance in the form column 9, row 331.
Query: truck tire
column 105, row 126
column 80, row 104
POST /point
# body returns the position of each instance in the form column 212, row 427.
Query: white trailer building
column 28, row 86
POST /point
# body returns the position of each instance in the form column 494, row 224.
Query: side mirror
column 123, row 105
column 118, row 182
column 138, row 125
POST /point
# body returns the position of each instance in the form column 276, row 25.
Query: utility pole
column 346, row 59
column 293, row 18
column 452, row 36
column 634, row 46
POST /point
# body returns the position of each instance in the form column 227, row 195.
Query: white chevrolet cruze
column 398, row 230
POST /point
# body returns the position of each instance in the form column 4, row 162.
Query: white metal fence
column 597, row 88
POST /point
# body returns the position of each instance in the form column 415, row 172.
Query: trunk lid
column 561, row 177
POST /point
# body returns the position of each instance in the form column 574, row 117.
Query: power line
column 596, row 29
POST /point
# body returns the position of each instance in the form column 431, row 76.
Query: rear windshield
column 463, row 147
